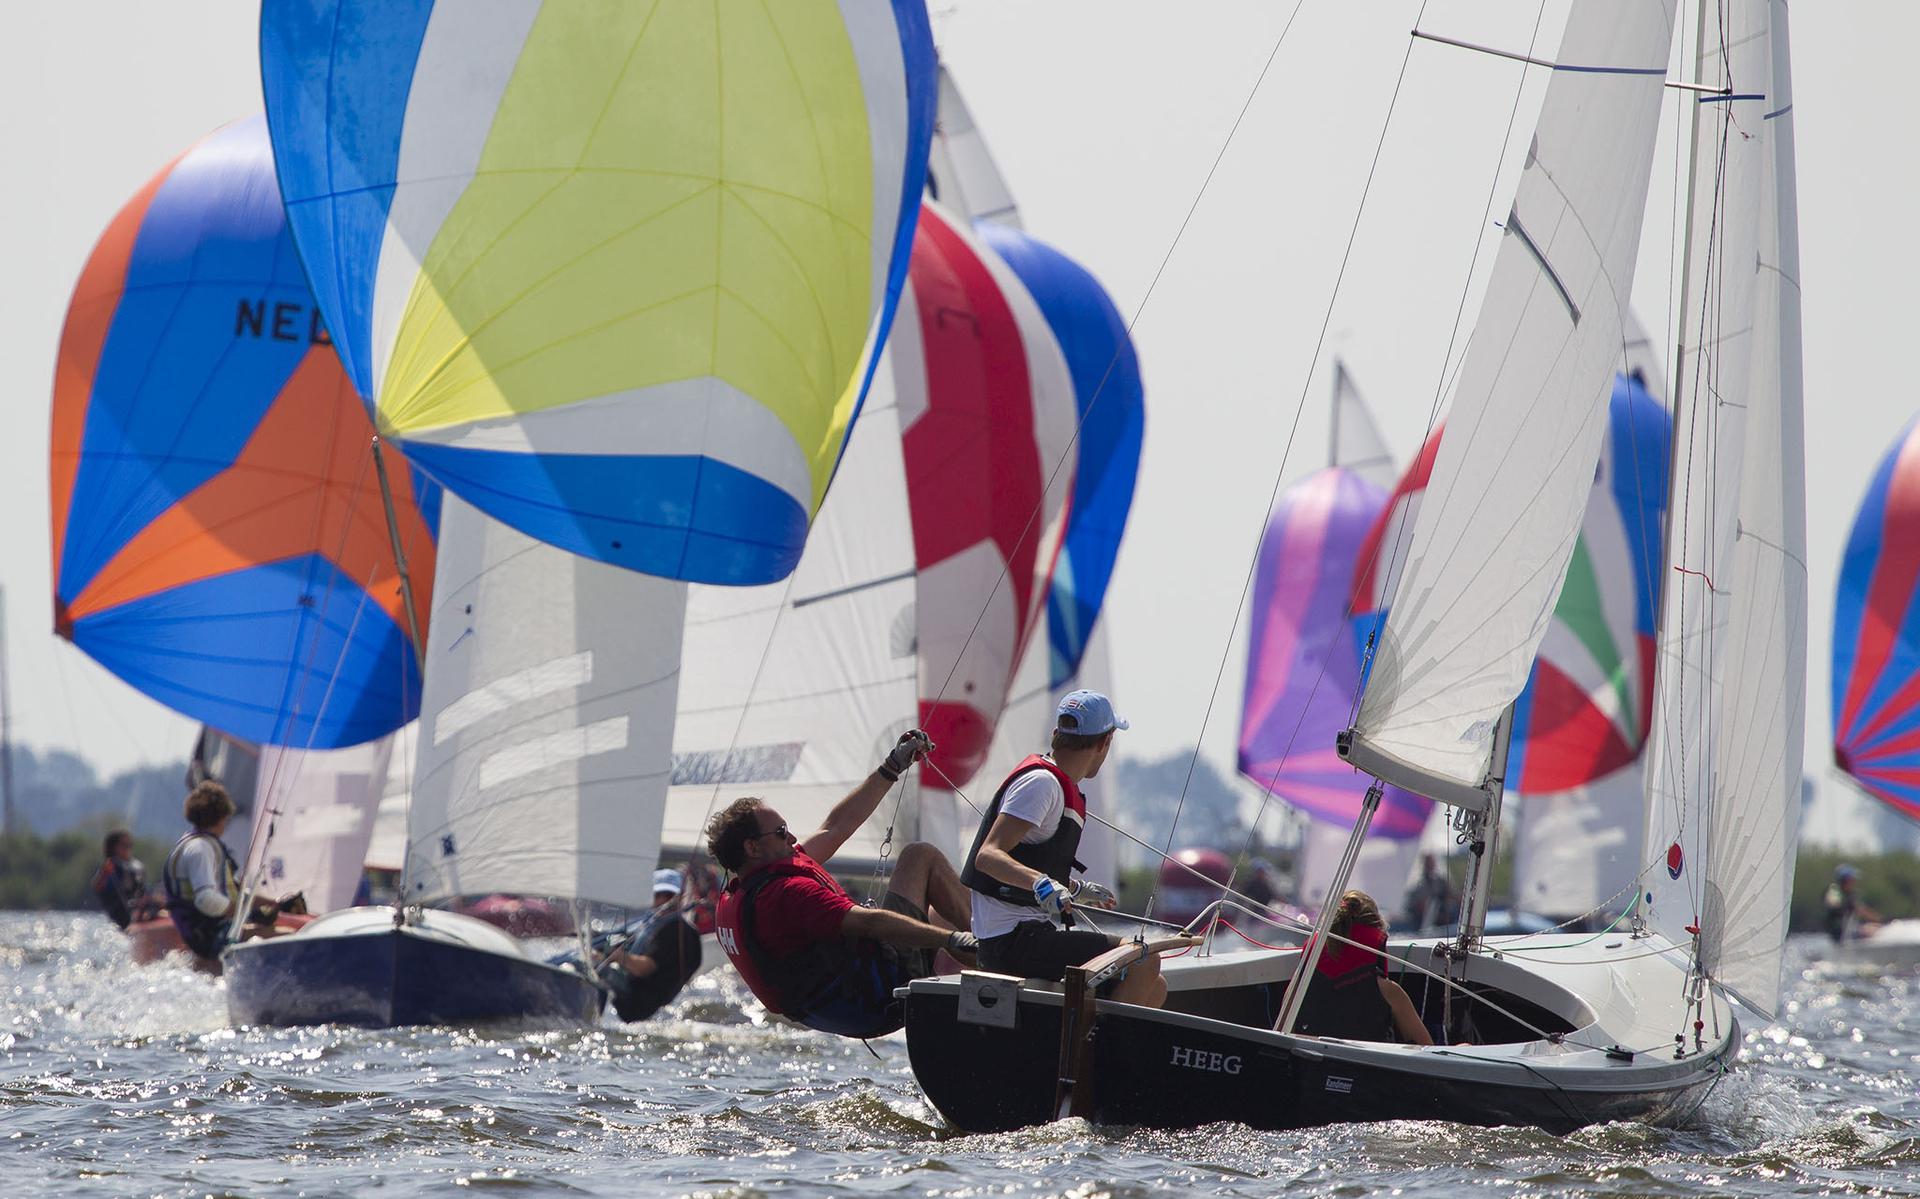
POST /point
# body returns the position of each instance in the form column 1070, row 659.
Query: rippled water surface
column 123, row 1080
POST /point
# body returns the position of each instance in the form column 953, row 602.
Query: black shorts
column 861, row 1002
column 1039, row 949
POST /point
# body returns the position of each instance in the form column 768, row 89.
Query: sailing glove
column 1093, row 895
column 914, row 745
column 961, row 941
column 1049, row 896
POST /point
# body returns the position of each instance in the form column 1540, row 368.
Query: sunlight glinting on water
column 118, row 1080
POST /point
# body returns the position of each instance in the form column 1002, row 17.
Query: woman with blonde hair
column 1350, row 995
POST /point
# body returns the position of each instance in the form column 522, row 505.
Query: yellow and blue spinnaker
column 617, row 272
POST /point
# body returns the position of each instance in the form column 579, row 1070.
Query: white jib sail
column 1724, row 784
column 1510, row 484
column 795, row 691
column 322, row 805
column 545, row 723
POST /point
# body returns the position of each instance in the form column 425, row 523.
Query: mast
column 1678, row 388
column 1485, row 838
column 399, row 553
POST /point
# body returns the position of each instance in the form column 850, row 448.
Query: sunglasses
column 779, row 831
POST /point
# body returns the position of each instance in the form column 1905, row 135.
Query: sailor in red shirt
column 804, row 947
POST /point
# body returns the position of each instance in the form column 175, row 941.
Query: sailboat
column 634, row 348
column 218, row 538
column 539, row 772
column 1876, row 657
column 1554, row 1032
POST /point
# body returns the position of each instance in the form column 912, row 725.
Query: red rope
column 1227, row 924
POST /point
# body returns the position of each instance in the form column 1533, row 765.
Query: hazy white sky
column 1105, row 117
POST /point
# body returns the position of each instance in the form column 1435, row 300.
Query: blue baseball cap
column 668, row 880
column 1088, row 713
column 1844, row 872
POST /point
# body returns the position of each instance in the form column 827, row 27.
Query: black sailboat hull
column 395, row 978
column 1153, row 1072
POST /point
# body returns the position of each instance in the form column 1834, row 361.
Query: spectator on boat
column 1431, row 901
column 647, row 977
column 1350, row 995
column 1021, row 865
column 1848, row 918
column 800, row 941
column 121, row 882
column 201, row 879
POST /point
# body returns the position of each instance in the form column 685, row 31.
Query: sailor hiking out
column 1020, row 868
column 804, row 947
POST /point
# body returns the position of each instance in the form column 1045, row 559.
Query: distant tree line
column 55, row 873
column 55, row 790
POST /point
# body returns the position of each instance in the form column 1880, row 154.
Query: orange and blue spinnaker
column 218, row 537
column 1876, row 635
column 617, row 273
column 1111, row 405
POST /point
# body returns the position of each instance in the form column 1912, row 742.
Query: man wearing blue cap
column 1022, row 861
column 647, row 980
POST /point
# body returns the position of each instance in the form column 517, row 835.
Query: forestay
column 1511, row 479
column 1724, row 789
column 616, row 273
column 546, row 724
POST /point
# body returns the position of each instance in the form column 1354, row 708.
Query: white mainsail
column 545, row 724
column 1725, row 782
column 1510, row 485
column 321, row 806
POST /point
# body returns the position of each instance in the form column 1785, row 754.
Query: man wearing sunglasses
column 804, row 947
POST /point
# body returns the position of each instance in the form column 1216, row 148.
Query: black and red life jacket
column 788, row 983
column 1052, row 857
column 1343, row 998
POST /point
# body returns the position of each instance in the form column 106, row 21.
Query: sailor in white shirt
column 1021, row 865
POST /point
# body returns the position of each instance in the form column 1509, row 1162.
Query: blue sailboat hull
column 391, row 977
